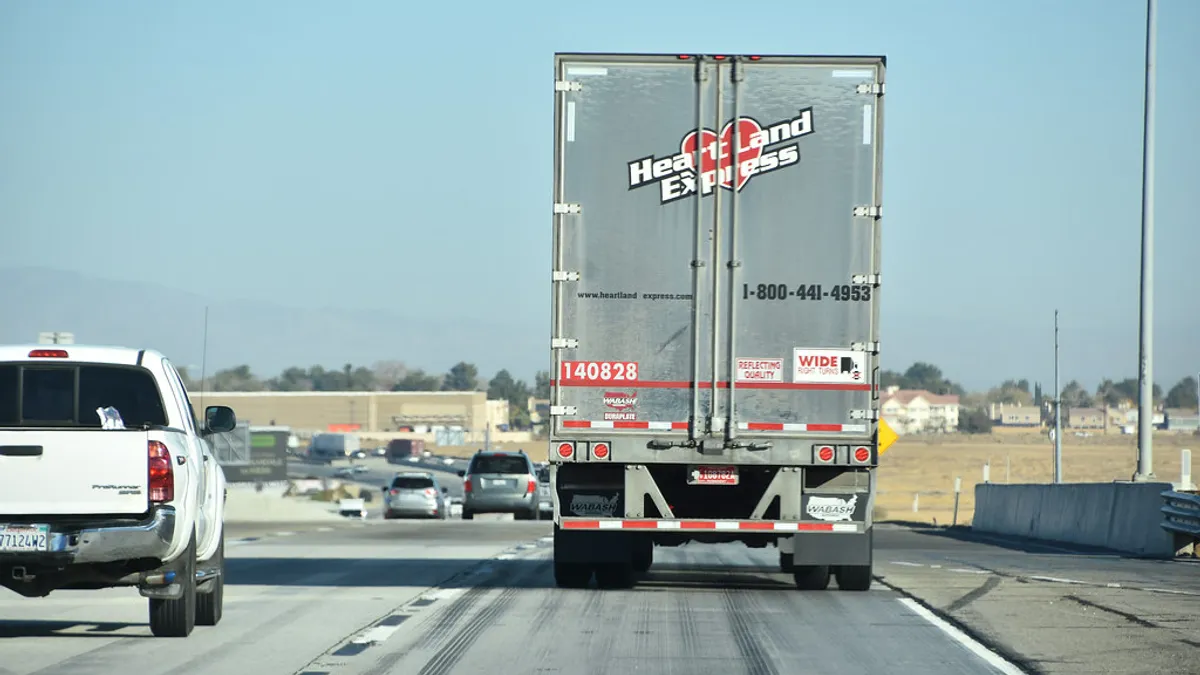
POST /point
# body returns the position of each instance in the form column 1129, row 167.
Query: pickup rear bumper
column 119, row 542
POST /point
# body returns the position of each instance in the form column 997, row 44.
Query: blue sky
column 378, row 145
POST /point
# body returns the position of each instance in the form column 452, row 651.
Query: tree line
column 463, row 376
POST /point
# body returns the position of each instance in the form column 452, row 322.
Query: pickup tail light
column 162, row 475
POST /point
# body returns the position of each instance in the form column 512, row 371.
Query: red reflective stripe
column 824, row 427
column 679, row 425
column 581, row 524
column 683, row 384
column 639, row 524
column 755, row 525
column 764, row 426
column 576, row 424
column 816, row 527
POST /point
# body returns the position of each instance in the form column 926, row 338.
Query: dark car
column 500, row 482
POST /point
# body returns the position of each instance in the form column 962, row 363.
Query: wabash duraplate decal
column 760, row 152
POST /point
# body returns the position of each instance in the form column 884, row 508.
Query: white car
column 107, row 479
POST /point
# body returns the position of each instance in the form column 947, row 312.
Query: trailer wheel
column 854, row 577
column 572, row 575
column 811, row 577
column 785, row 562
column 643, row 555
column 614, row 576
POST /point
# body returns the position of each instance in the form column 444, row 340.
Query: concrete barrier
column 1123, row 517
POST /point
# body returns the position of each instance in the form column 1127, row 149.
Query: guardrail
column 1181, row 514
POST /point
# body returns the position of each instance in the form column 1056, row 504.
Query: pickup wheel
column 211, row 601
column 177, row 618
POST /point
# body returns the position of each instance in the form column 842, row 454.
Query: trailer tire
column 854, row 577
column 614, row 576
column 643, row 555
column 785, row 562
column 811, row 577
column 572, row 575
column 467, row 515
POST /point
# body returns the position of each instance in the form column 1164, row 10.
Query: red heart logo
column 714, row 154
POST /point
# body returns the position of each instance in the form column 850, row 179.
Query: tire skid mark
column 758, row 661
column 453, row 652
column 446, row 620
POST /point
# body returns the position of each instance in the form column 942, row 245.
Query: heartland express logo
column 759, row 152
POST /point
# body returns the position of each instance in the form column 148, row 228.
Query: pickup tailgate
column 73, row 472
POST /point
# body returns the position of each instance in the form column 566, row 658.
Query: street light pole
column 1057, row 410
column 1145, row 461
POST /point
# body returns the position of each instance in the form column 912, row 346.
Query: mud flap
column 821, row 548
column 592, row 547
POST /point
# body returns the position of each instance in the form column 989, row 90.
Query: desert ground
column 924, row 467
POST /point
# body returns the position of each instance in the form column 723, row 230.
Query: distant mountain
column 265, row 336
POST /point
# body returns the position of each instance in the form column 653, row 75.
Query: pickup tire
column 467, row 515
column 210, row 602
column 177, row 618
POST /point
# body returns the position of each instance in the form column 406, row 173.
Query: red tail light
column 430, row 492
column 466, row 483
column 48, row 354
column 162, row 475
column 532, row 486
column 395, row 492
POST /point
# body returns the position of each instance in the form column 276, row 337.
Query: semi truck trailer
column 715, row 311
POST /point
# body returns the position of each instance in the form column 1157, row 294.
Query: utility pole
column 1057, row 410
column 1145, row 460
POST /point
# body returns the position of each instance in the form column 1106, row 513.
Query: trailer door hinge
column 561, row 410
column 560, row 209
column 864, row 414
column 872, row 347
column 868, row 212
column 876, row 88
column 871, row 279
column 563, row 343
column 563, row 275
column 564, row 85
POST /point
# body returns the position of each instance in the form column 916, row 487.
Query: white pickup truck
column 106, row 480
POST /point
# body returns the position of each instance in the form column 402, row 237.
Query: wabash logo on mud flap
column 759, row 152
column 622, row 406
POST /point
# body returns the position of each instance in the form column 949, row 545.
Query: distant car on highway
column 500, row 482
column 415, row 494
column 381, row 451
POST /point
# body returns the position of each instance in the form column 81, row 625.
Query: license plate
column 24, row 538
column 495, row 482
column 713, row 475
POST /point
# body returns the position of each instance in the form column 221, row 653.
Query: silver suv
column 500, row 482
column 416, row 495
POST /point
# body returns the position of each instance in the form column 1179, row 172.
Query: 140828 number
column 598, row 371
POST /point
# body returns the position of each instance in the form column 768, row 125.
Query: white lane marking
column 375, row 635
column 446, row 593
column 239, row 542
column 549, row 540
column 963, row 570
column 284, row 534
column 505, row 556
column 1058, row 580
column 991, row 658
column 936, row 567
column 324, row 529
column 1112, row 585
column 906, row 564
column 1171, row 591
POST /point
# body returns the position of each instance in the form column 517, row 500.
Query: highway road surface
column 477, row 598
